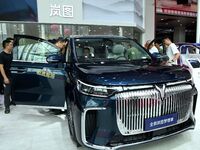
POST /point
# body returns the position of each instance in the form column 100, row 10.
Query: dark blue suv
column 116, row 93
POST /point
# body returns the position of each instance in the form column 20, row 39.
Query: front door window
column 30, row 50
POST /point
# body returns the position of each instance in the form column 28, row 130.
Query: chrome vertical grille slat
column 133, row 107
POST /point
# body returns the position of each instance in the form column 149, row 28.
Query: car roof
column 182, row 43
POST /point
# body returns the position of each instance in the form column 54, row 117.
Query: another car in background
column 190, row 56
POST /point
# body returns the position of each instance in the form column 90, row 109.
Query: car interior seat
column 133, row 54
column 117, row 52
column 79, row 51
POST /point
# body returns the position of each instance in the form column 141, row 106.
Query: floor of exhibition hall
column 28, row 128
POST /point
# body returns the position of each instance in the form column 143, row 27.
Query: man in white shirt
column 171, row 51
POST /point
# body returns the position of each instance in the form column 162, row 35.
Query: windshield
column 109, row 49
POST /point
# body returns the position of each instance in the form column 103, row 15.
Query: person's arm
column 5, row 78
column 176, row 56
column 175, row 52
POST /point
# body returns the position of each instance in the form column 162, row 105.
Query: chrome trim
column 24, row 61
column 83, row 134
column 161, row 90
column 137, row 87
column 179, row 82
column 150, row 103
column 36, row 106
column 93, row 146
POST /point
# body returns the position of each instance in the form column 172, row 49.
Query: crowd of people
column 157, row 47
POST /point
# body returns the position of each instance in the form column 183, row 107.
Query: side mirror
column 54, row 58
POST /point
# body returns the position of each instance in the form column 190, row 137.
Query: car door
column 35, row 81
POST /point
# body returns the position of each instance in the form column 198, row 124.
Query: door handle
column 18, row 70
column 21, row 70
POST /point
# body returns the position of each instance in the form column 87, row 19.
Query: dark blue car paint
column 106, row 119
column 31, row 88
column 109, row 74
column 130, row 74
column 34, row 89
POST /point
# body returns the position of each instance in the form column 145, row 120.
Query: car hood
column 130, row 74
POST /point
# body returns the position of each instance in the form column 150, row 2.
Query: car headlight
column 98, row 91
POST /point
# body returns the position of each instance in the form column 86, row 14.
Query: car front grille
column 133, row 107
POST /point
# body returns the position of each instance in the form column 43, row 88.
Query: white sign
column 65, row 11
column 60, row 11
column 161, row 122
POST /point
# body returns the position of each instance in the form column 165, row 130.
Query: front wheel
column 71, row 124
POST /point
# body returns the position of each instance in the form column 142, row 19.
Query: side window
column 183, row 49
column 30, row 50
column 191, row 50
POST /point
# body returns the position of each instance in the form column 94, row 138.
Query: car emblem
column 161, row 89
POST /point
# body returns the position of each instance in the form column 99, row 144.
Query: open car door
column 36, row 81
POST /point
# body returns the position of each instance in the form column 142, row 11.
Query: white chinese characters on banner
column 65, row 11
column 161, row 122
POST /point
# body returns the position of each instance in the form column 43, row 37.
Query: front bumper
column 99, row 128
column 114, row 140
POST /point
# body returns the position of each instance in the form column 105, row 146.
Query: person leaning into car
column 5, row 64
column 172, row 51
column 62, row 43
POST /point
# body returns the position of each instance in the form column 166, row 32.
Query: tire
column 71, row 124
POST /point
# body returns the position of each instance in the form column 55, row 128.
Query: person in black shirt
column 5, row 64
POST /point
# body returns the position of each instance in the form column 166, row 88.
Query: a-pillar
column 42, row 31
column 179, row 34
